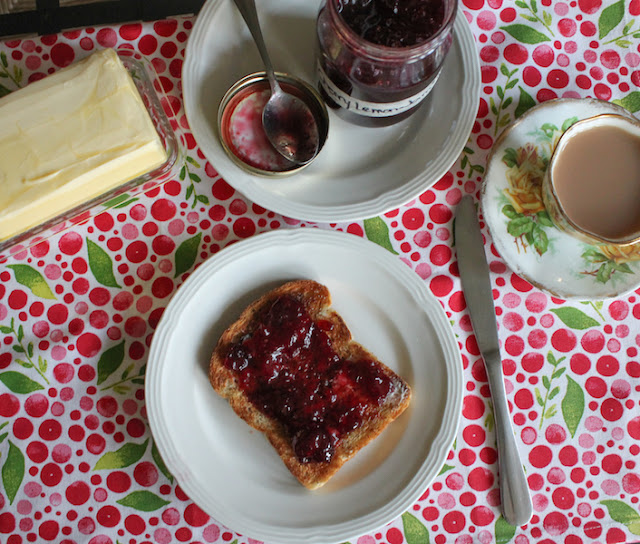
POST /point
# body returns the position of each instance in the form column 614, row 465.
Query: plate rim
column 251, row 186
column 495, row 230
column 443, row 437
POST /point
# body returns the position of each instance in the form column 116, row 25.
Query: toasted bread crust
column 317, row 299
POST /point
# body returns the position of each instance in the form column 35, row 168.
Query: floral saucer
column 521, row 228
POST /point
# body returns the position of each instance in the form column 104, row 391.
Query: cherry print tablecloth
column 78, row 311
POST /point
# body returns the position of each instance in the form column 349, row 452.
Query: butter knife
column 476, row 284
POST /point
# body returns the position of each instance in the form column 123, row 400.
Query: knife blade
column 476, row 285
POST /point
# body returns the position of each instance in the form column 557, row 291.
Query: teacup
column 591, row 188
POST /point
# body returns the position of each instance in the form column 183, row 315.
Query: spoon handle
column 247, row 9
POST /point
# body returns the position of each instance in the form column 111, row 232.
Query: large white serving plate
column 230, row 470
column 361, row 172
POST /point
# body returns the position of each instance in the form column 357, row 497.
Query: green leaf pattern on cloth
column 31, row 278
column 610, row 18
column 573, row 405
column 377, row 231
column 625, row 514
column 157, row 458
column 445, row 468
column 575, row 319
column 110, row 361
column 13, row 471
column 25, row 356
column 19, row 383
column 101, row 265
column 414, row 530
column 121, row 201
column 525, row 102
column 186, row 254
column 550, row 391
column 504, row 531
column 123, row 457
column 144, row 501
column 525, row 34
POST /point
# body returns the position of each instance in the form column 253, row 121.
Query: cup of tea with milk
column 591, row 188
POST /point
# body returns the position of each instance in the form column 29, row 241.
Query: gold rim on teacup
column 552, row 201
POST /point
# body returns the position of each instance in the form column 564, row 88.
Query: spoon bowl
column 291, row 128
column 288, row 122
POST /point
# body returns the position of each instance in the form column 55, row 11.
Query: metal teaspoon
column 288, row 122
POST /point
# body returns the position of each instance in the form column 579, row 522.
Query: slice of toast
column 289, row 367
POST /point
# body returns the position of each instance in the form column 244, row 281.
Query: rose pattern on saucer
column 527, row 215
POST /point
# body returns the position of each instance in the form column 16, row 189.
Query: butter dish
column 75, row 141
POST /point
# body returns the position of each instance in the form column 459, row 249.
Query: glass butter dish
column 160, row 153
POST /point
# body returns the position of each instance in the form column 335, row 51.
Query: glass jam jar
column 377, row 60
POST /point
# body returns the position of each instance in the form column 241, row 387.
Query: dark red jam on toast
column 289, row 370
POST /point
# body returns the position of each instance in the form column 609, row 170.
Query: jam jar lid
column 240, row 123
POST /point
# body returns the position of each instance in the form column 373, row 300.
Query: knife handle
column 514, row 489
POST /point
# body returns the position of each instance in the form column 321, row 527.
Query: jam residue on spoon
column 290, row 372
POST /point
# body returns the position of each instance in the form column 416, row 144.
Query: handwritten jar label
column 371, row 109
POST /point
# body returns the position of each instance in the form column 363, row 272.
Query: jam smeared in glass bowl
column 379, row 59
column 242, row 133
column 246, row 135
column 289, row 371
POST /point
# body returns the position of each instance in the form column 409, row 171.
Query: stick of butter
column 70, row 137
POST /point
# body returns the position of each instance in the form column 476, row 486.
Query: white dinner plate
column 230, row 470
column 361, row 172
column 555, row 262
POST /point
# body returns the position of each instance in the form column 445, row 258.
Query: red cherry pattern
column 63, row 429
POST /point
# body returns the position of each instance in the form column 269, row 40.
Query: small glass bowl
column 148, row 84
column 246, row 88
